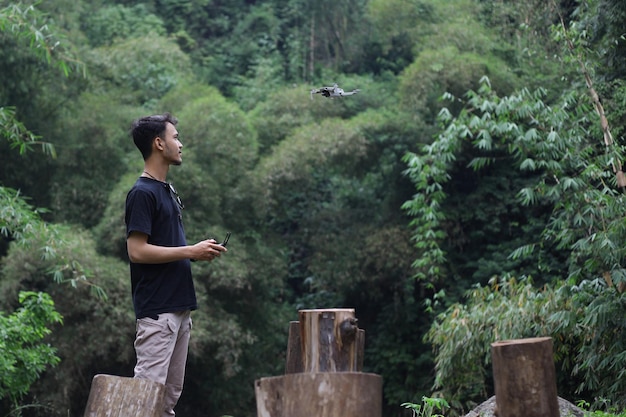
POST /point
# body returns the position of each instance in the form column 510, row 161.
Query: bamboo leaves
column 574, row 177
column 24, row 355
column 19, row 136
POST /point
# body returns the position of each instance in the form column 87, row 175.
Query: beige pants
column 161, row 347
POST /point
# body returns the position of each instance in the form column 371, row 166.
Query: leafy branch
column 428, row 407
column 551, row 142
column 25, row 23
column 24, row 356
column 18, row 136
column 21, row 223
column 574, row 40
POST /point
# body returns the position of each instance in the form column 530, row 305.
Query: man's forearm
column 153, row 254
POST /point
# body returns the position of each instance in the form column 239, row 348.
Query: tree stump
column 329, row 340
column 114, row 396
column 326, row 394
column 322, row 371
column 525, row 378
column 295, row 346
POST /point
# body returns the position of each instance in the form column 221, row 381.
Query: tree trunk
column 524, row 377
column 294, row 363
column 329, row 340
column 295, row 347
column 322, row 371
column 342, row 394
column 114, row 396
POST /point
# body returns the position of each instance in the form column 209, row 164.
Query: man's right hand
column 207, row 250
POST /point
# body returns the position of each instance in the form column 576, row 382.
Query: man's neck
column 155, row 172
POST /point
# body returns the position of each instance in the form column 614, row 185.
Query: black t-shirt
column 166, row 287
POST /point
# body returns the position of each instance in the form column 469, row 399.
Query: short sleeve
column 140, row 208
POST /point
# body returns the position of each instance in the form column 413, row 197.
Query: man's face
column 172, row 148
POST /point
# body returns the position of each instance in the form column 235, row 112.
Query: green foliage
column 22, row 223
column 220, row 146
column 537, row 138
column 265, row 79
column 109, row 321
column 139, row 69
column 311, row 189
column 92, row 125
column 227, row 37
column 395, row 20
column 18, row 135
column 110, row 231
column 599, row 413
column 396, row 350
column 295, row 163
column 36, row 63
column 522, row 23
column 448, row 70
column 461, row 336
column 568, row 173
column 428, row 407
column 610, row 411
column 27, row 24
column 458, row 50
column 285, row 110
column 113, row 23
column 339, row 194
column 602, row 22
column 598, row 306
column 256, row 36
column 211, row 118
column 18, row 220
column 508, row 308
column 30, row 45
column 334, row 25
column 25, row 356
column 24, row 353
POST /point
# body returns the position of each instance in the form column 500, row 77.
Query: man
column 162, row 286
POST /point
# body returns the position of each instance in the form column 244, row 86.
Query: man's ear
column 158, row 143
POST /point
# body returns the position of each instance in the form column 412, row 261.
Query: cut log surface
column 525, row 378
column 329, row 340
column 328, row 394
column 115, row 396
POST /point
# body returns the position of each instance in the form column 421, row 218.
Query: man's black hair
column 146, row 129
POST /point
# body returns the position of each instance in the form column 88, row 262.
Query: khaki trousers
column 161, row 347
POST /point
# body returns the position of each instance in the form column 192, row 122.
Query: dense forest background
column 472, row 191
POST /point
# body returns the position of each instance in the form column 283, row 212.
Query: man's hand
column 207, row 250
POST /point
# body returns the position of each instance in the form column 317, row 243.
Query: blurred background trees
column 469, row 171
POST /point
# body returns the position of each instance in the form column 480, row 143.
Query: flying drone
column 332, row 92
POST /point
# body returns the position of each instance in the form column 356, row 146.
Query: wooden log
column 294, row 363
column 360, row 349
column 115, row 396
column 525, row 378
column 326, row 394
column 328, row 339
